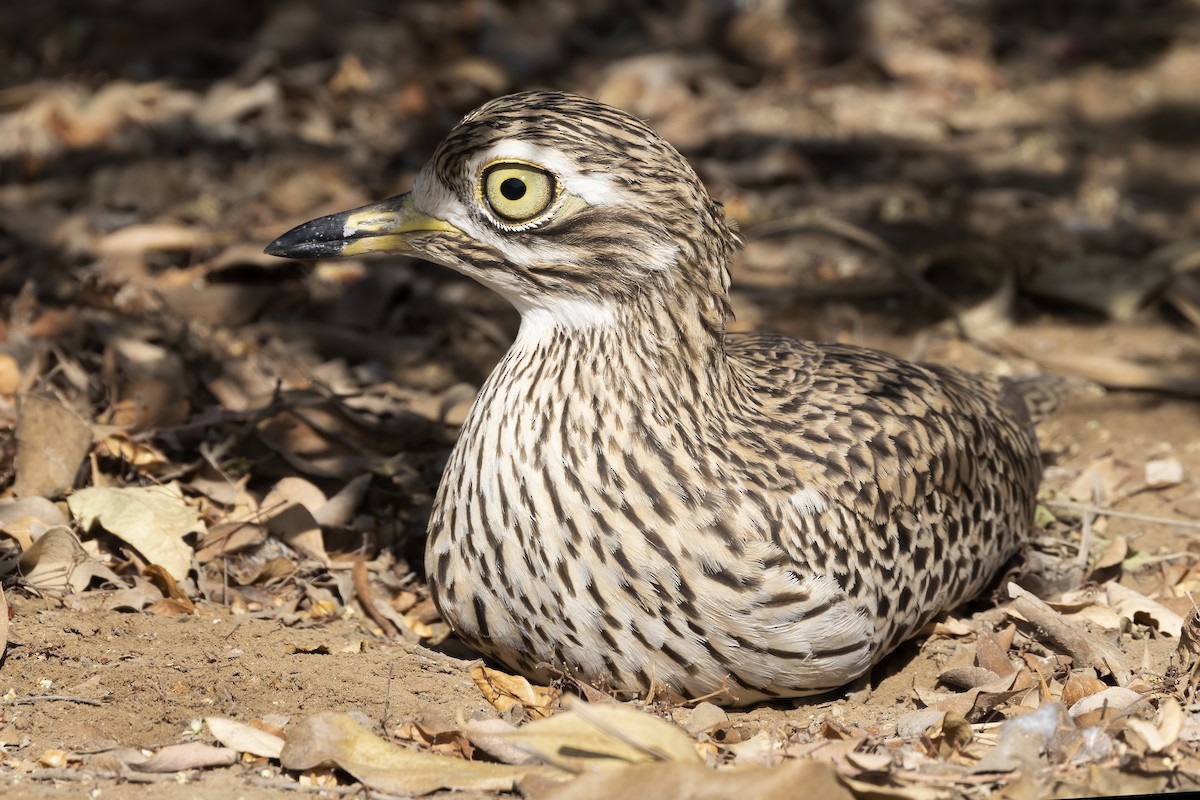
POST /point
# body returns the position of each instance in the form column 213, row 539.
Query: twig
column 292, row 786
column 1085, row 507
column 69, row 774
column 1086, row 650
column 362, row 587
column 64, row 698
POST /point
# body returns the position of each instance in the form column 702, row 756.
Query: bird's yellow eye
column 518, row 192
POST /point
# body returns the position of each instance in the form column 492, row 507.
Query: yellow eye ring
column 517, row 193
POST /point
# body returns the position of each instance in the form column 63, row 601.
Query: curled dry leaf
column 977, row 702
column 968, row 677
column 57, row 562
column 339, row 509
column 1161, row 736
column 52, row 442
column 1139, row 609
column 491, row 736
column 1103, row 705
column 504, row 691
column 992, row 655
column 245, row 738
column 141, row 456
column 153, row 519
column 592, row 736
column 1080, row 685
column 192, row 755
column 336, row 739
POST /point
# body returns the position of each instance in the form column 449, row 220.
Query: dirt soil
column 1009, row 187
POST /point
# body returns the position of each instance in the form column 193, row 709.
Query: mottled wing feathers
column 906, row 458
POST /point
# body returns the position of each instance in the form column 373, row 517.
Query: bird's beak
column 388, row 226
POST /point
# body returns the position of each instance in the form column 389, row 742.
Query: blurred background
column 1009, row 185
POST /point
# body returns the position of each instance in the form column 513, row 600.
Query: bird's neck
column 648, row 340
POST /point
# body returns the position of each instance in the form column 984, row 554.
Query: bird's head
column 563, row 205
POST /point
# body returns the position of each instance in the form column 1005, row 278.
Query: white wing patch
column 809, row 502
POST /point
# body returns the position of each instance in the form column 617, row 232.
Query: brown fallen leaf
column 505, row 691
column 977, row 702
column 1159, row 737
column 992, row 655
column 1080, row 685
column 339, row 509
column 591, row 736
column 141, row 456
column 288, row 512
column 52, row 442
column 1137, row 608
column 491, row 736
column 336, row 739
column 1106, row 704
column 245, row 738
column 57, row 563
column 153, row 519
column 228, row 538
column 191, row 755
column 791, row 779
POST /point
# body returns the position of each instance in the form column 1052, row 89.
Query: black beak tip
column 318, row 238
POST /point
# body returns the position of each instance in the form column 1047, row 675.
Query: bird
column 641, row 499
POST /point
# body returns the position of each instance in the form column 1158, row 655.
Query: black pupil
column 512, row 188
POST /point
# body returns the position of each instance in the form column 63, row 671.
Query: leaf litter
column 202, row 436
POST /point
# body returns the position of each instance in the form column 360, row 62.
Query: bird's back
column 928, row 474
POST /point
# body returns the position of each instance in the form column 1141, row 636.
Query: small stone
column 1162, row 473
column 705, row 717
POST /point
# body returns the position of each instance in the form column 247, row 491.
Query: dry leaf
column 979, row 701
column 143, row 457
column 57, row 562
column 490, row 736
column 1103, row 705
column 228, row 538
column 1080, row 685
column 336, row 739
column 192, row 755
column 288, row 510
column 1087, row 649
column 52, row 442
column 1099, row 483
column 153, row 519
column 504, row 691
column 245, row 738
column 340, row 508
column 593, row 736
column 992, row 655
column 791, row 779
column 151, row 236
column 1160, row 737
column 968, row 677
column 28, row 518
column 1138, row 608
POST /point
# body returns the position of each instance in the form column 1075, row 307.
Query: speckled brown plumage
column 642, row 499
